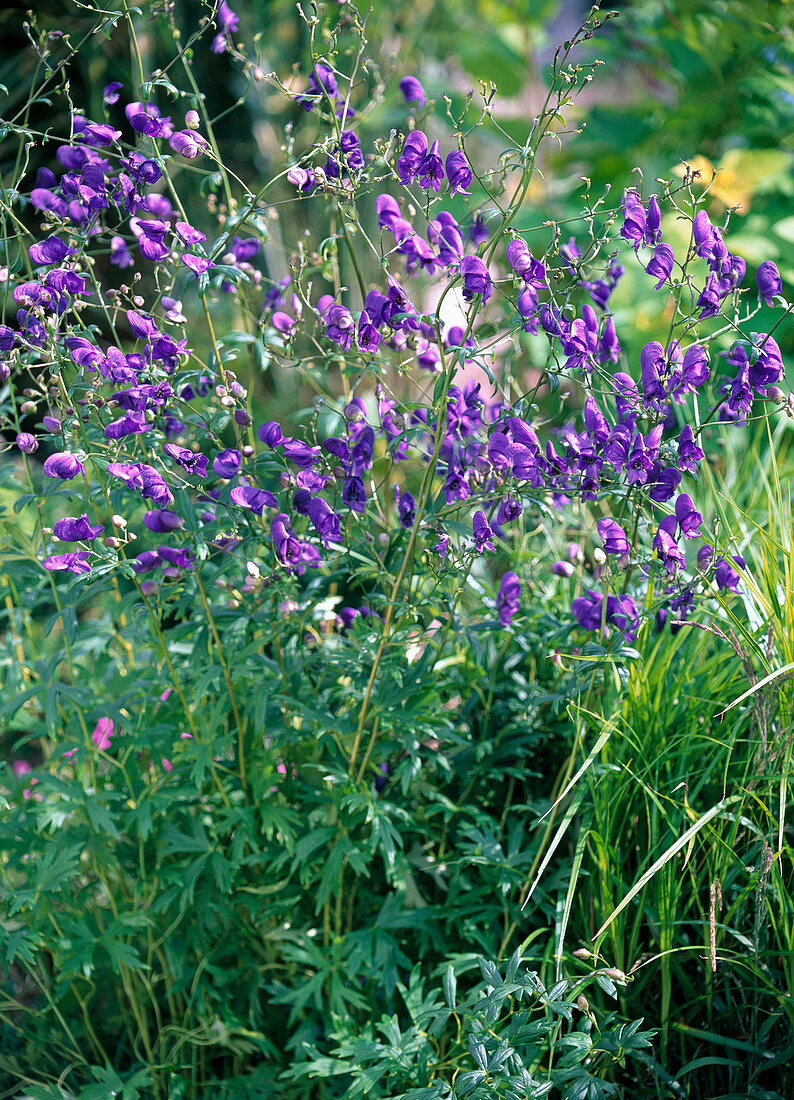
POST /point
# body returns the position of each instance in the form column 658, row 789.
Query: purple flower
column 146, row 561
column 246, row 496
column 27, row 443
column 689, row 454
column 321, row 80
column 508, row 598
column 769, row 281
column 110, row 93
column 326, row 522
column 178, row 558
column 188, row 143
column 354, row 494
column 119, row 253
column 482, row 533
column 726, row 576
column 227, row 463
column 660, row 264
column 270, row 433
column 72, row 563
column 197, row 264
column 413, row 91
column 412, row 156
column 689, row 519
column 406, row 509
column 63, row 465
column 458, row 173
column 52, row 250
column 161, row 521
column 613, row 536
column 666, row 546
column 562, row 569
column 76, row 530
column 653, row 365
column 476, row 280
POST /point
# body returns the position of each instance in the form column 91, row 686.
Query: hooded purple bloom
column 110, row 93
column 689, row 519
column 691, row 373
column 246, row 496
column 322, row 79
column 769, row 282
column 161, row 521
column 178, row 558
column 146, row 561
column 689, row 454
column 413, row 91
column 188, row 143
column 412, row 157
column 406, row 509
column 726, row 576
column 508, row 597
column 326, row 522
column 562, row 569
column 354, row 494
column 661, row 264
column 27, row 443
column 71, row 563
column 63, row 465
column 482, row 532
column 197, row 264
column 653, row 365
column 227, row 463
column 613, row 536
column 119, row 253
column 476, row 280
column 665, row 544
column 52, row 250
column 76, row 530
column 458, row 173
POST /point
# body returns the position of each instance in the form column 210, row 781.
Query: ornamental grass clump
column 289, row 685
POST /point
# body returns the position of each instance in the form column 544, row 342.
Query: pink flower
column 103, row 734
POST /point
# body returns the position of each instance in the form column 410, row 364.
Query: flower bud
column 118, row 521
column 192, row 120
column 599, row 557
column 27, row 407
column 774, row 393
column 27, row 443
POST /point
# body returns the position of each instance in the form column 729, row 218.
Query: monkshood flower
column 458, row 173
column 69, row 563
column 110, row 93
column 52, row 250
column 70, row 529
column 177, row 558
column 524, row 264
column 146, row 119
column 188, row 144
column 412, row 157
column 161, row 521
column 640, row 228
column 148, row 482
column 291, row 552
column 326, row 522
column 102, row 734
column 482, row 533
column 476, row 280
column 27, row 443
column 689, row 374
column 227, row 463
column 508, row 598
column 431, row 170
column 664, row 543
column 660, row 264
column 193, row 462
column 64, row 465
column 726, row 576
column 412, row 91
column 689, row 454
column 227, row 26
column 256, row 500
column 562, row 569
column 320, row 81
column 119, row 253
column 653, row 364
column 620, row 611
column 406, row 508
column 769, row 282
column 689, row 519
column 613, row 536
